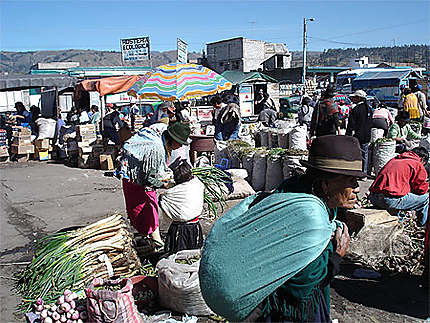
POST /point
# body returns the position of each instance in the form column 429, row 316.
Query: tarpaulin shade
column 11, row 82
column 108, row 85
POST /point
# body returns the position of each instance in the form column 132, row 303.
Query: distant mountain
column 21, row 62
column 414, row 55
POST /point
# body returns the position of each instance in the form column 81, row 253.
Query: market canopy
column 238, row 77
column 382, row 78
column 108, row 85
column 17, row 82
column 177, row 81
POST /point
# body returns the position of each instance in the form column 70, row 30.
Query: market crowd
column 295, row 225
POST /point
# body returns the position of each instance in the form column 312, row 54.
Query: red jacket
column 401, row 175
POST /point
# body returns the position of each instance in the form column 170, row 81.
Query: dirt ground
column 41, row 198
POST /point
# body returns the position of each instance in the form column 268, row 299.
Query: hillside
column 21, row 62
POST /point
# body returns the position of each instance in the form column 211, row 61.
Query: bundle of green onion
column 70, row 260
column 215, row 189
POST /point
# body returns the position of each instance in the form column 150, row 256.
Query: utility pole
column 304, row 51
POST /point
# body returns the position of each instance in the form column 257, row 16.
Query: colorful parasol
column 177, row 81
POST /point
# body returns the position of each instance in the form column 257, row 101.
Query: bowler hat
column 403, row 115
column 179, row 132
column 336, row 154
column 359, row 94
column 329, row 92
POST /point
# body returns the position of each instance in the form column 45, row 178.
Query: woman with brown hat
column 271, row 258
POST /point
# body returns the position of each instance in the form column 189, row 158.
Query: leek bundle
column 70, row 260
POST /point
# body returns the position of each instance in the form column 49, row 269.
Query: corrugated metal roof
column 383, row 75
column 9, row 82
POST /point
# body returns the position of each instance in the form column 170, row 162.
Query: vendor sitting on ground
column 402, row 185
column 183, row 204
column 401, row 132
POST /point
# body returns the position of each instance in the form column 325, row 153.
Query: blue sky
column 96, row 24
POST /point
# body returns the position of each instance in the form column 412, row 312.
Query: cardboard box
column 106, row 162
column 4, row 151
column 42, row 143
column 85, row 150
column 22, row 149
column 85, row 130
column 41, row 154
column 22, row 140
column 21, row 131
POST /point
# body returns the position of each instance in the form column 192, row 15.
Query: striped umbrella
column 177, row 81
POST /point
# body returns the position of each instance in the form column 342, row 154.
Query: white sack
column 375, row 134
column 383, row 153
column 298, row 137
column 183, row 202
column 178, row 284
column 46, row 128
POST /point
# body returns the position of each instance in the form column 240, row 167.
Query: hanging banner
column 135, row 49
column 182, row 51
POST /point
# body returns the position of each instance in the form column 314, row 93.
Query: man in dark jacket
column 360, row 123
column 112, row 121
column 325, row 117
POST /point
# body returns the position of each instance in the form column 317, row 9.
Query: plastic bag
column 247, row 163
column 46, row 128
column 178, row 284
column 291, row 166
column 105, row 305
column 259, row 171
column 273, row 172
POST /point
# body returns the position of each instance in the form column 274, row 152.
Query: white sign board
column 182, row 51
column 135, row 49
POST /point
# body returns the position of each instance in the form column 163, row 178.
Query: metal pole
column 304, row 53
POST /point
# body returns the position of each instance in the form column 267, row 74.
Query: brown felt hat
column 336, row 154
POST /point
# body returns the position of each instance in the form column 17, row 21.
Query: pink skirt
column 142, row 207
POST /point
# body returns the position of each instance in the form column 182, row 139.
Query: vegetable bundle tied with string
column 70, row 260
column 215, row 189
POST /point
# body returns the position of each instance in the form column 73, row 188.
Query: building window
column 279, row 61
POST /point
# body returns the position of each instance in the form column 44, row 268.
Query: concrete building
column 245, row 55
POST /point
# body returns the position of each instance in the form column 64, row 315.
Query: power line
column 338, row 42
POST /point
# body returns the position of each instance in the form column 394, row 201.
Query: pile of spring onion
column 70, row 260
column 215, row 189
column 65, row 309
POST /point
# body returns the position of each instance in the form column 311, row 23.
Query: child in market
column 183, row 204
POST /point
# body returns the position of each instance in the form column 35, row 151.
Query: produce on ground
column 70, row 260
column 188, row 261
column 214, row 180
column 67, row 308
column 238, row 148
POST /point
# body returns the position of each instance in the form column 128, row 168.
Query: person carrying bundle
column 143, row 169
column 271, row 257
column 183, row 204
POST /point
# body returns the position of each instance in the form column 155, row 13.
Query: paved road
column 41, row 198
